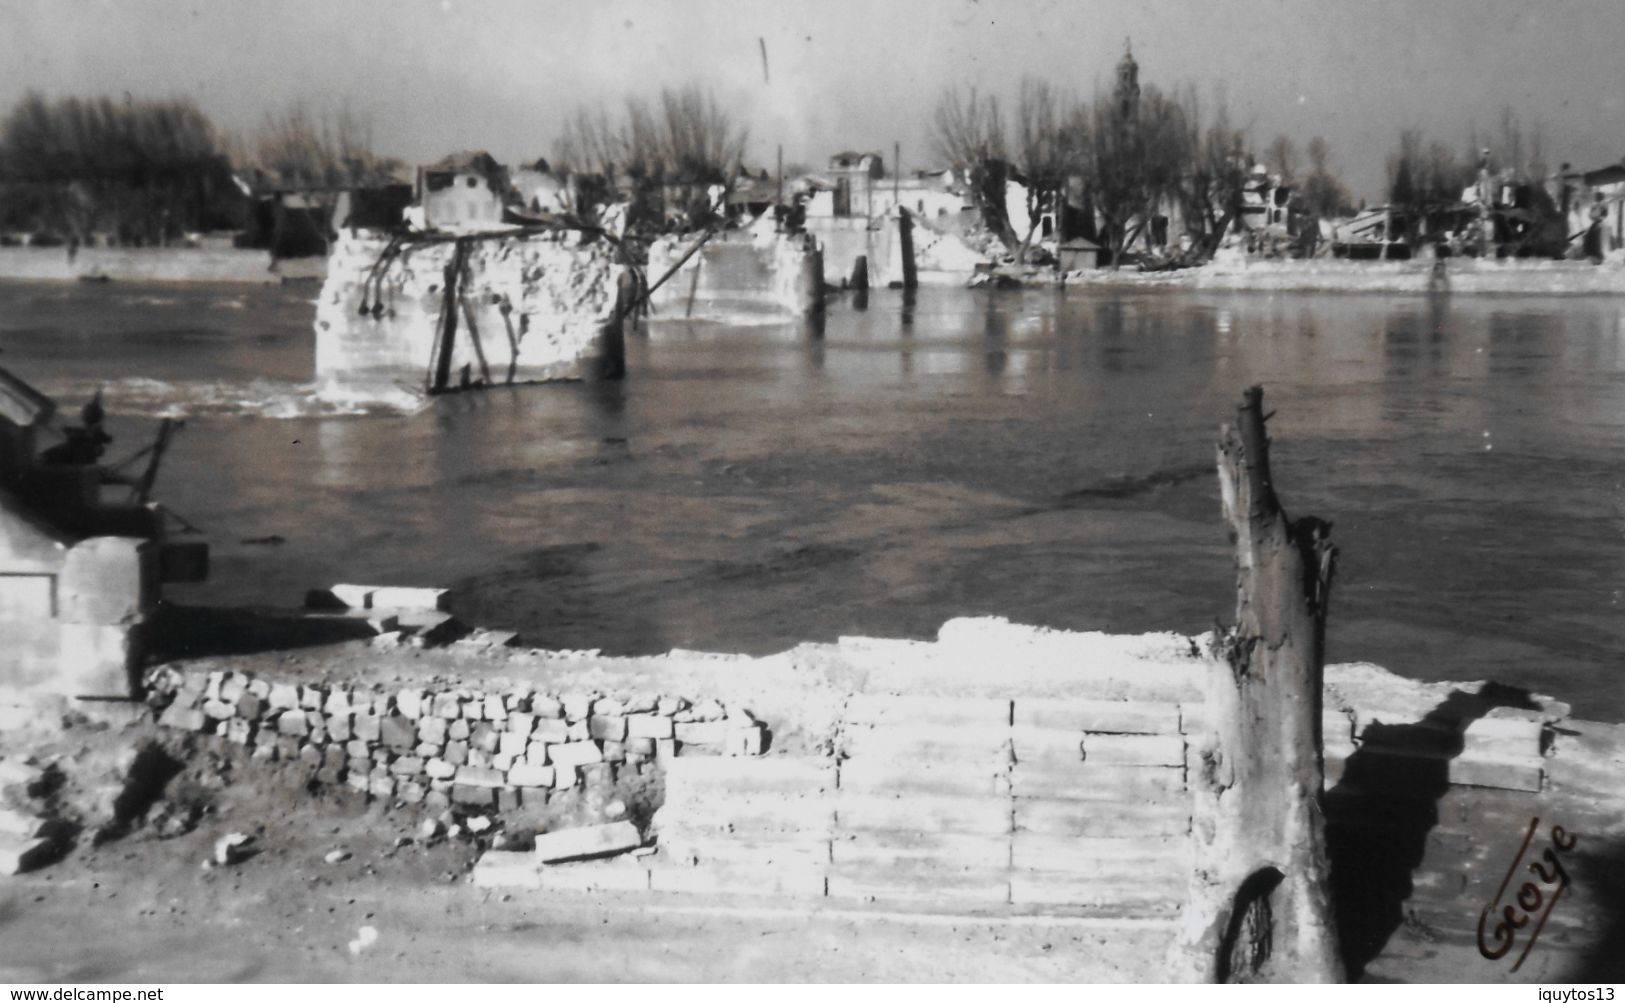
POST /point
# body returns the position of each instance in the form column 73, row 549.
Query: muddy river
column 1043, row 456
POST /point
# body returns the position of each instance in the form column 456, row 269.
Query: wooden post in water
column 448, row 319
column 1259, row 904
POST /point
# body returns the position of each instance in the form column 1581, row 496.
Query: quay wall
column 154, row 264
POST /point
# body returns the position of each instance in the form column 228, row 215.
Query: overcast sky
column 438, row 75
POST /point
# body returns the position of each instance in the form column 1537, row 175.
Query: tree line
column 148, row 171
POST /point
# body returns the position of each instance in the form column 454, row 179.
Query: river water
column 1044, row 456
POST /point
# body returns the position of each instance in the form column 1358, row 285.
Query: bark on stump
column 1259, row 904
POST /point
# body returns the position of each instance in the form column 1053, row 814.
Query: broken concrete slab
column 587, row 841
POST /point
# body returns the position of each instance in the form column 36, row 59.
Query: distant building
column 465, row 191
column 537, row 189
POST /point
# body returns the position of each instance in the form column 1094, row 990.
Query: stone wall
column 544, row 308
column 437, row 747
column 843, row 240
column 737, row 275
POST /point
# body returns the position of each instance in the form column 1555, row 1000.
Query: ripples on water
column 1041, row 456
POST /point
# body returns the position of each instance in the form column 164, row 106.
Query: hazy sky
column 438, row 75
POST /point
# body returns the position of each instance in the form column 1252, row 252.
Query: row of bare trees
column 149, row 171
column 1125, row 159
column 684, row 140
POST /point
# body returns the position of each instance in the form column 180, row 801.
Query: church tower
column 1127, row 91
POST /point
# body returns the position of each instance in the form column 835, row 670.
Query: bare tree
column 1051, row 138
column 298, row 149
column 1140, row 152
column 145, row 169
column 1282, row 158
column 1218, row 174
column 968, row 132
column 1324, row 194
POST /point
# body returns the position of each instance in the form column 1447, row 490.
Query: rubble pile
column 436, row 748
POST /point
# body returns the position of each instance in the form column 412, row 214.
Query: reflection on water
column 1033, row 454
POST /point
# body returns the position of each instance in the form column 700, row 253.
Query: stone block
column 649, row 726
column 439, row 769
column 458, row 731
column 18, row 854
column 352, row 596
column 544, row 706
column 311, row 697
column 521, row 724
column 409, row 703
column 919, row 883
column 642, row 747
column 382, row 787
column 1134, row 750
column 473, row 797
column 338, row 728
column 432, row 729
column 397, row 732
column 408, row 598
column 614, row 875
column 511, row 743
column 473, row 776
column 184, row 718
column 710, row 733
column 456, row 753
column 292, row 722
column 1098, row 782
column 976, row 815
column 973, row 712
column 239, row 731
column 1108, row 857
column 936, row 742
column 551, row 729
column 507, row 869
column 410, row 792
column 614, row 752
column 577, row 706
column 1127, row 717
column 367, row 727
column 406, row 766
column 250, row 706
column 745, row 739
column 586, row 841
column 527, row 775
column 1524, row 774
column 495, row 708
column 448, row 706
column 607, row 728
column 897, row 777
column 1102, row 819
column 598, row 775
column 568, row 755
column 908, row 847
column 283, row 696
column 484, row 737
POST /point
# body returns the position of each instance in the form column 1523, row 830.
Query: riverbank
column 890, row 736
column 1453, row 275
column 154, row 264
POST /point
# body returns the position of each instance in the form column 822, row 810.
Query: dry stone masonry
column 449, row 746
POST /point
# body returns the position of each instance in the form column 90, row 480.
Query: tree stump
column 1259, row 904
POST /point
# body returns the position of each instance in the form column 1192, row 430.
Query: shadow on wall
column 1380, row 813
column 199, row 631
